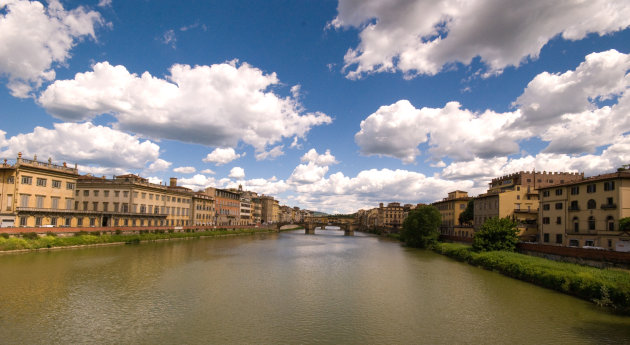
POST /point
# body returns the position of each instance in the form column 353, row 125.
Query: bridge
column 347, row 224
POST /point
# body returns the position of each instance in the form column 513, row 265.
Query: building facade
column 586, row 213
column 450, row 208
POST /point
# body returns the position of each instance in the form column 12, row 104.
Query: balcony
column 609, row 206
column 525, row 210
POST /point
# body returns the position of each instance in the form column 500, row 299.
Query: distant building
column 450, row 208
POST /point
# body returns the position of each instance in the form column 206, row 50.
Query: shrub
column 496, row 234
column 5, row 235
column 118, row 231
column 30, row 235
column 50, row 233
column 80, row 233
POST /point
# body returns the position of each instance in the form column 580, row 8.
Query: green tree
column 496, row 234
column 420, row 228
column 469, row 213
column 624, row 224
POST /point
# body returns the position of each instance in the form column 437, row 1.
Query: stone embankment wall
column 126, row 229
column 590, row 257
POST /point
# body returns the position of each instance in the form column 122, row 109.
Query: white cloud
column 208, row 171
column 222, row 156
column 34, row 39
column 85, row 144
column 197, row 182
column 397, row 131
column 561, row 109
column 154, row 179
column 423, row 37
column 322, row 160
column 237, row 173
column 185, row 170
column 158, row 165
column 217, row 105
column 101, row 171
column 308, row 173
column 169, row 38
column 271, row 154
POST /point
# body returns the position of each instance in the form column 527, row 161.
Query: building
column 227, row 204
column 450, row 208
column 515, row 196
column 34, row 193
column 586, row 213
column 391, row 217
column 203, row 210
column 131, row 200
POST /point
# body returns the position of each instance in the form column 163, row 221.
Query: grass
column 29, row 242
column 607, row 288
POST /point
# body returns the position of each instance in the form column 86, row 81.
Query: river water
column 287, row 288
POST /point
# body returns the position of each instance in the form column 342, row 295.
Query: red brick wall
column 587, row 254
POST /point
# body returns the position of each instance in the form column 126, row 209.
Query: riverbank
column 49, row 241
column 608, row 288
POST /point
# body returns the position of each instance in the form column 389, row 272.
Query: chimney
column 173, row 182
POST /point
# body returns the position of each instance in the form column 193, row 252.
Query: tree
column 420, row 228
column 469, row 213
column 496, row 234
column 624, row 224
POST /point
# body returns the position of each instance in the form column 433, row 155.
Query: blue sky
column 327, row 105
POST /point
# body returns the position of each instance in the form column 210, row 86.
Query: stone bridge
column 348, row 225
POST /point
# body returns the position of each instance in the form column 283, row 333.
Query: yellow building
column 515, row 196
column 203, row 211
column 34, row 193
column 450, row 208
column 586, row 213
column 131, row 200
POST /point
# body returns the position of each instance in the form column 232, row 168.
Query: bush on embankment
column 608, row 288
column 21, row 243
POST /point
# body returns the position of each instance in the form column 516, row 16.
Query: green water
column 287, row 288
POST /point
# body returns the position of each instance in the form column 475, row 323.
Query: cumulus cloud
column 85, row 144
column 217, row 105
column 308, row 173
column 271, row 154
column 208, row 171
column 562, row 109
column 158, row 165
column 398, row 129
column 197, row 182
column 34, row 39
column 222, row 156
column 185, row 170
column 322, row 160
column 423, row 37
column 237, row 173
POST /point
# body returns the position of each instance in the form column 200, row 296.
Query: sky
column 331, row 106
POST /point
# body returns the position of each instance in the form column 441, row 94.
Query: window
column 92, row 221
column 56, row 184
column 85, row 206
column 546, row 220
column 126, row 194
column 68, row 221
column 529, row 180
column 574, row 243
column 116, row 206
column 591, row 223
column 55, row 203
column 9, row 201
column 125, row 208
column 116, row 193
column 77, row 193
column 95, row 205
column 144, row 195
column 80, row 221
column 24, row 200
column 545, row 193
column 591, row 188
column 135, row 194
column 546, row 207
column 589, row 243
column 575, row 190
column 591, row 204
column 53, row 221
column 69, row 185
column 41, row 182
column 559, row 238
column 609, row 185
column 558, row 206
column 86, row 193
column 22, row 221
column 116, row 222
column 95, row 193
column 559, row 191
column 68, row 204
column 546, row 238
column 558, row 220
column 106, row 193
column 574, row 206
column 10, row 180
column 38, row 221
column 27, row 180
column 518, row 197
column 150, row 196
column 610, row 223
column 105, row 207
column 609, row 201
column 610, row 243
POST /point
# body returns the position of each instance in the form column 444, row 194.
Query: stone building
column 450, row 208
column 516, row 196
column 34, row 193
column 227, row 204
column 203, row 211
column 586, row 213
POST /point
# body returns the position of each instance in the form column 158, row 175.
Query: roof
column 603, row 177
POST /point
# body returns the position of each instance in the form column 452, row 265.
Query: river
column 286, row 288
